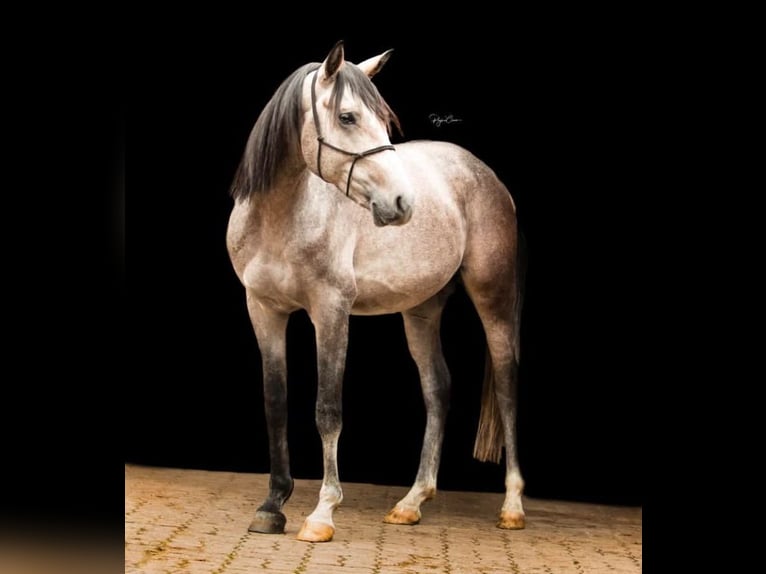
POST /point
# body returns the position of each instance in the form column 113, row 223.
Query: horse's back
column 465, row 177
column 462, row 179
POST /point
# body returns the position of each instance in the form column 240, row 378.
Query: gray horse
column 298, row 239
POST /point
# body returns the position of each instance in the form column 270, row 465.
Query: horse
column 318, row 162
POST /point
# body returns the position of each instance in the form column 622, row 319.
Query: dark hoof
column 268, row 522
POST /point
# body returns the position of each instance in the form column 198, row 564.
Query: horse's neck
column 289, row 201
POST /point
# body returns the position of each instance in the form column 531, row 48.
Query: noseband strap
column 320, row 139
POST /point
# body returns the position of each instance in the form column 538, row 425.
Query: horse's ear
column 333, row 62
column 375, row 64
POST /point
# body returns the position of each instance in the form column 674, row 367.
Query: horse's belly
column 398, row 268
column 402, row 285
column 378, row 300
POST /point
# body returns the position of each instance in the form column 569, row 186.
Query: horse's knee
column 328, row 418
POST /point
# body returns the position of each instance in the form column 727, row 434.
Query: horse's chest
column 287, row 276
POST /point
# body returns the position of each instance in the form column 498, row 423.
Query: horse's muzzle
column 398, row 214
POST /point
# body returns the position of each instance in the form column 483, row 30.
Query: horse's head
column 345, row 137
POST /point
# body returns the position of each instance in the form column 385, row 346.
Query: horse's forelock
column 352, row 78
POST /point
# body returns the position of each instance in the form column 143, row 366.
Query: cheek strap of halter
column 320, row 139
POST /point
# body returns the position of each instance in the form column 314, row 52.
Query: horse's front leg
column 331, row 326
column 270, row 329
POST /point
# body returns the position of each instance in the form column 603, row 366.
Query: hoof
column 511, row 520
column 268, row 522
column 315, row 532
column 402, row 516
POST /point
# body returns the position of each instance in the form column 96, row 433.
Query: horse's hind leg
column 493, row 280
column 270, row 330
column 422, row 327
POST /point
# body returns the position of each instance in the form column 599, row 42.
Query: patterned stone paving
column 196, row 521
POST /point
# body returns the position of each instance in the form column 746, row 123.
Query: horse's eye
column 347, row 119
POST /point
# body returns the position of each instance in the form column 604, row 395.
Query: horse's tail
column 489, row 436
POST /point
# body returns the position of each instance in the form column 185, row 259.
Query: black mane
column 276, row 134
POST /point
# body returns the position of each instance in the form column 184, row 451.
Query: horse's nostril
column 401, row 205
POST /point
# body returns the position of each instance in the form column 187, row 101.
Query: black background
column 631, row 138
column 549, row 103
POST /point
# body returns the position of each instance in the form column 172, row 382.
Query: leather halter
column 320, row 139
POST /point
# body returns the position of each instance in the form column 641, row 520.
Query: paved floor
column 196, row 521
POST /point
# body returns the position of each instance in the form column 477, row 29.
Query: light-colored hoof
column 402, row 516
column 315, row 532
column 512, row 520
